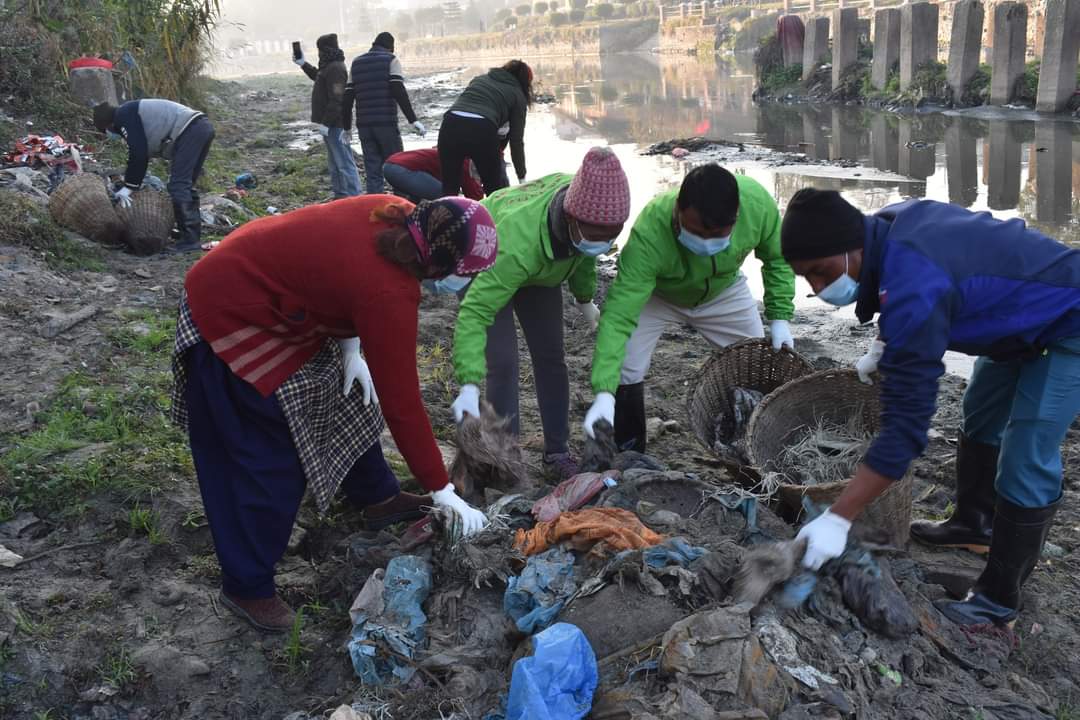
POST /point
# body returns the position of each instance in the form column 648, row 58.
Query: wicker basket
column 750, row 364
column 149, row 221
column 82, row 204
column 832, row 395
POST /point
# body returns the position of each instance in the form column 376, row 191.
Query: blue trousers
column 250, row 474
column 1026, row 407
column 416, row 184
column 377, row 143
column 344, row 177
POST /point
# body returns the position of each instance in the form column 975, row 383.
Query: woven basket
column 149, row 221
column 82, row 204
column 831, row 395
column 750, row 364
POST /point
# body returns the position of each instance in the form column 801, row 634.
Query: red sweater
column 427, row 160
column 273, row 291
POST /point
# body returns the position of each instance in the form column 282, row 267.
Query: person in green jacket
column 551, row 231
column 681, row 265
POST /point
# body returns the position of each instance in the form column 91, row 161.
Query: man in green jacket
column 681, row 265
column 551, row 231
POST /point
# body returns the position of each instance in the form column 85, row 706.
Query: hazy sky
column 267, row 19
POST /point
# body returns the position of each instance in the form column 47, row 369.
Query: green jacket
column 653, row 261
column 526, row 258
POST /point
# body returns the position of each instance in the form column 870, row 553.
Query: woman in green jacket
column 470, row 128
column 682, row 265
column 551, row 231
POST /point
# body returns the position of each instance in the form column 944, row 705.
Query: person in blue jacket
column 939, row 278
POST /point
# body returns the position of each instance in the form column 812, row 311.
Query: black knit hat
column 385, row 40
column 104, row 114
column 820, row 224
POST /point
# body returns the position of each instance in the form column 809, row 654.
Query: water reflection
column 1013, row 168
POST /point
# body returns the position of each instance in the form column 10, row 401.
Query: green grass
column 780, row 78
column 24, row 222
column 295, row 652
column 144, row 521
column 117, row 669
column 148, row 333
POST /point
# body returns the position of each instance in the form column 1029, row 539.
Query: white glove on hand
column 826, row 538
column 468, row 401
column 123, row 197
column 867, row 364
column 323, row 130
column 420, row 129
column 300, row 60
column 780, row 331
column 356, row 368
column 472, row 519
column 603, row 408
column 591, row 313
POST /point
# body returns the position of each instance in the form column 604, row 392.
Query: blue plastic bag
column 557, row 681
column 671, row 552
column 533, row 600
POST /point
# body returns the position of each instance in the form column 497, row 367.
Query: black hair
column 104, row 116
column 524, row 75
column 713, row 192
column 385, row 40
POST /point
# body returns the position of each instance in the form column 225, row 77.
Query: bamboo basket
column 82, row 204
column 834, row 395
column 750, row 364
column 149, row 221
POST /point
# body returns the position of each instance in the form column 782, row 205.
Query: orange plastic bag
column 619, row 529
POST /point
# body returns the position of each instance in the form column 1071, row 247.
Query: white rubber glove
column 123, row 197
column 356, row 368
column 472, row 520
column 419, row 128
column 826, row 537
column 603, row 408
column 867, row 364
column 323, row 130
column 780, row 331
column 468, row 401
column 300, row 60
column 591, row 313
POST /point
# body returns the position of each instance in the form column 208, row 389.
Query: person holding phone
column 331, row 112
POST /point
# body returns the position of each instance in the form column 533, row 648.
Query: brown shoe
column 270, row 615
column 403, row 507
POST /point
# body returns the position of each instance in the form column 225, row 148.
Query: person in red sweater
column 417, row 175
column 270, row 324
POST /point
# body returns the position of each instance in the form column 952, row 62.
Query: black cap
column 386, row 40
column 820, row 224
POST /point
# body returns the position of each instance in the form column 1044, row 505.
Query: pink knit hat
column 600, row 193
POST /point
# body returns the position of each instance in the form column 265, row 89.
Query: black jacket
column 328, row 106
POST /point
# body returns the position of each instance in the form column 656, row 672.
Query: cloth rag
column 618, row 529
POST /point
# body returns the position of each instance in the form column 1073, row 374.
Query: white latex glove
column 123, row 197
column 603, row 408
column 419, row 128
column 472, row 519
column 300, row 60
column 323, row 130
column 780, row 331
column 356, row 368
column 468, row 401
column 826, row 537
column 591, row 313
column 867, row 364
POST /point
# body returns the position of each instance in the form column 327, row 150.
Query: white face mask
column 449, row 285
column 588, row 248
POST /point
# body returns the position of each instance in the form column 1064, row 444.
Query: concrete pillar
column 886, row 45
column 815, row 44
column 885, row 142
column 845, row 139
column 918, row 39
column 813, row 6
column 918, row 158
column 962, row 162
column 964, row 45
column 792, row 39
column 1002, row 158
column 845, row 46
column 1053, row 171
column 1010, row 49
column 787, row 7
column 817, row 142
column 1061, row 45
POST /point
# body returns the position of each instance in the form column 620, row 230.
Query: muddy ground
column 113, row 615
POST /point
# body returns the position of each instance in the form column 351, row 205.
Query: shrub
column 558, row 19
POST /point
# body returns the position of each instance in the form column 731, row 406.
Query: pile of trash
column 44, row 151
column 826, row 453
column 729, row 434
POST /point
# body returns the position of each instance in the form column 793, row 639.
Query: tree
column 523, row 10
column 579, row 4
column 577, row 15
column 511, row 22
column 605, row 10
column 503, row 13
column 558, row 19
column 540, row 8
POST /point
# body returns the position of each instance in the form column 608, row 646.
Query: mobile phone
column 296, row 52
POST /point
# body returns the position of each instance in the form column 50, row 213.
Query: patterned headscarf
column 453, row 236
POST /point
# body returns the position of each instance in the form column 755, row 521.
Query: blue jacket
column 377, row 84
column 945, row 278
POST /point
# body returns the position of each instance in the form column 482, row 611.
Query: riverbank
column 114, row 616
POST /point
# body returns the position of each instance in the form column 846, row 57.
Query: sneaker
column 403, row 507
column 561, row 465
column 271, row 615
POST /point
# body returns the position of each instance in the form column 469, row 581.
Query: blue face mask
column 706, row 247
column 449, row 285
column 841, row 291
column 113, row 135
column 589, row 248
